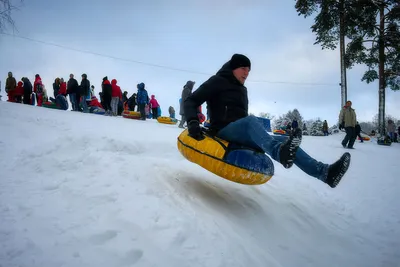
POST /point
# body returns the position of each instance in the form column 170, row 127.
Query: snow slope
column 88, row 190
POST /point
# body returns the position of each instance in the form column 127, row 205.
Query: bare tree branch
column 6, row 9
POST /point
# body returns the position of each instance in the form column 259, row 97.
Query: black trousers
column 155, row 113
column 350, row 137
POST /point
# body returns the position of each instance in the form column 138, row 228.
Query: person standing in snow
column 72, row 89
column 391, row 128
column 348, row 120
column 295, row 124
column 27, row 90
column 142, row 99
column 11, row 84
column 116, row 95
column 325, row 128
column 187, row 90
column 92, row 91
column 125, row 97
column 106, row 89
column 38, row 90
column 154, row 106
column 85, row 92
column 171, row 112
column 56, row 87
column 227, row 101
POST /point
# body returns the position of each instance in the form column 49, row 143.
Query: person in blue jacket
column 142, row 99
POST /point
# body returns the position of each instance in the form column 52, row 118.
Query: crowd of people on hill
column 82, row 96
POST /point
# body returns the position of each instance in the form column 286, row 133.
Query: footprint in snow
column 131, row 257
column 102, row 238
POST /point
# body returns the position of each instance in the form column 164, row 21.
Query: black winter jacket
column 85, row 87
column 72, row 86
column 226, row 99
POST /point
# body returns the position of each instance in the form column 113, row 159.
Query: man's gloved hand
column 195, row 130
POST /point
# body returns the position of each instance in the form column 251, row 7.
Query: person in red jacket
column 154, row 106
column 63, row 88
column 19, row 92
column 95, row 102
column 116, row 95
column 38, row 89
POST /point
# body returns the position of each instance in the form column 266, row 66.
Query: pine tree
column 316, row 128
column 373, row 28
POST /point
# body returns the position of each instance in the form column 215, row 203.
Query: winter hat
column 238, row 61
column 105, row 78
column 140, row 86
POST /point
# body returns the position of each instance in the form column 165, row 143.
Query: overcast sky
column 197, row 37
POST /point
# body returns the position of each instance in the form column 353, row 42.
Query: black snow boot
column 337, row 170
column 288, row 149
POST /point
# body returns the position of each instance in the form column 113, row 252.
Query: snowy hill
column 88, row 190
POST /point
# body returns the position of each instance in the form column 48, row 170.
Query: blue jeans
column 251, row 132
column 72, row 99
column 84, row 104
column 391, row 135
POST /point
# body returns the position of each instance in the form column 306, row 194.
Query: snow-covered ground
column 88, row 190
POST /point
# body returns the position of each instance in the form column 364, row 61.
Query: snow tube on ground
column 167, row 120
column 131, row 115
column 384, row 142
column 279, row 132
column 230, row 161
column 365, row 138
column 97, row 110
column 49, row 104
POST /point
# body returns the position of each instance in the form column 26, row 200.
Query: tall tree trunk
column 382, row 80
column 343, row 79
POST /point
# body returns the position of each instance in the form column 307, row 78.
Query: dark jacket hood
column 226, row 72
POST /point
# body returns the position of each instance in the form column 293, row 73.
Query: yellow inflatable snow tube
column 232, row 162
column 131, row 114
column 167, row 120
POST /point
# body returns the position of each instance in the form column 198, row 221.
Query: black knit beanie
column 238, row 61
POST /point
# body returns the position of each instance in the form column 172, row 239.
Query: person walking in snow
column 358, row 132
column 348, row 120
column 227, row 101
